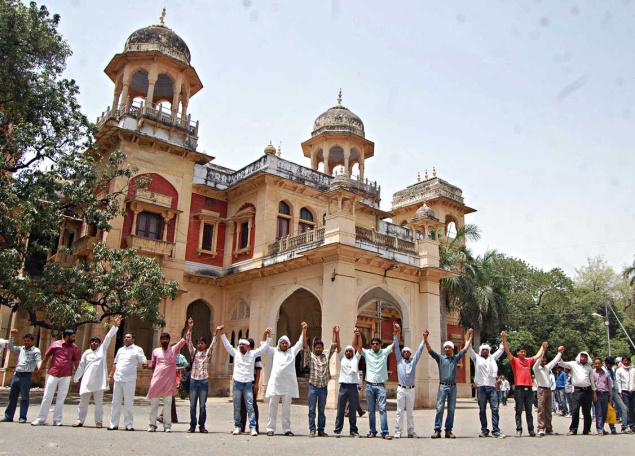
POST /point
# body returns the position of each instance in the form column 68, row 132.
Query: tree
column 49, row 173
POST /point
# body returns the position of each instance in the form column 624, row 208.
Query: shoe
column 413, row 435
column 449, row 435
column 236, row 431
column 270, row 433
column 77, row 424
column 113, row 428
column 371, row 435
column 613, row 432
column 6, row 420
column 532, row 434
column 540, row 434
column 22, row 420
column 99, row 425
column 253, row 432
column 519, row 433
column 312, row 434
column 627, row 431
column 586, row 433
column 129, row 429
column 386, row 436
column 436, row 435
column 572, row 433
column 362, row 413
column 289, row 434
column 498, row 435
column 202, row 431
column 337, row 435
column 397, row 435
column 354, row 434
column 152, row 428
column 322, row 434
column 38, row 423
column 59, row 423
column 484, row 434
column 191, row 430
column 167, row 429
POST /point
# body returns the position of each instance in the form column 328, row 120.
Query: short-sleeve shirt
column 63, row 356
column 349, row 368
column 522, row 371
column 376, row 364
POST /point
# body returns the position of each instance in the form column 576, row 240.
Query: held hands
column 268, row 333
column 396, row 329
column 468, row 334
column 13, row 332
column 190, row 323
column 504, row 335
column 116, row 320
column 304, row 326
column 545, row 346
column 218, row 330
column 336, row 329
column 561, row 349
column 426, row 333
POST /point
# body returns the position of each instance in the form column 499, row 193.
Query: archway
column 203, row 317
column 141, row 330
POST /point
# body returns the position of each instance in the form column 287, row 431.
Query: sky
column 528, row 106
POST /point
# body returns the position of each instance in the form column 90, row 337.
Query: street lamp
column 606, row 323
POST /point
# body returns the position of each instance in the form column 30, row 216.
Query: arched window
column 450, row 229
column 306, row 220
column 284, row 220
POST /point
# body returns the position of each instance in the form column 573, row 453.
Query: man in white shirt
column 93, row 372
column 243, row 376
column 583, row 392
column 349, row 382
column 485, row 372
column 625, row 380
column 283, row 383
column 544, row 380
column 124, row 374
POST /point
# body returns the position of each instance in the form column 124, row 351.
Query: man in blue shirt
column 447, row 382
column 561, row 381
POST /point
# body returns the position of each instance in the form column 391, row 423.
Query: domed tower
column 154, row 81
column 338, row 139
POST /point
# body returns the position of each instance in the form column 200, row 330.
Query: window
column 149, row 225
column 208, row 237
column 284, row 220
column 69, row 238
column 306, row 220
column 244, row 235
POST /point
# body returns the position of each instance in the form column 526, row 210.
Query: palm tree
column 629, row 274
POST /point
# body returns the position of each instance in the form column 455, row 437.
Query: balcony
column 154, row 247
column 84, row 245
column 304, row 241
column 64, row 259
column 384, row 241
column 146, row 196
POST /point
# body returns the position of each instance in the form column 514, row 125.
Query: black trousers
column 348, row 395
column 524, row 399
column 243, row 414
column 581, row 398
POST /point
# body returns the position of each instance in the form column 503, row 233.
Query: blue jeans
column 198, row 392
column 376, row 400
column 317, row 396
column 20, row 385
column 488, row 394
column 561, row 398
column 244, row 390
column 449, row 392
column 348, row 394
column 629, row 402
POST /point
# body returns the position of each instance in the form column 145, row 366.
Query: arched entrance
column 203, row 317
column 141, row 330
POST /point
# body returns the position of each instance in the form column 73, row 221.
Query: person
column 200, row 354
column 447, row 382
column 162, row 384
column 583, row 392
column 319, row 375
column 255, row 389
column 542, row 374
column 29, row 360
column 283, row 383
column 505, row 387
column 625, row 377
column 376, row 375
column 348, row 395
column 616, row 400
column 552, row 387
column 561, row 399
column 485, row 372
column 603, row 388
column 93, row 372
column 123, row 377
column 568, row 391
column 243, row 376
column 181, row 366
column 523, row 394
column 64, row 356
column 406, row 372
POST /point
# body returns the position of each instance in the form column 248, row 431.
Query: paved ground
column 19, row 439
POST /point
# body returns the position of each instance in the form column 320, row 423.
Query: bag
column 611, row 416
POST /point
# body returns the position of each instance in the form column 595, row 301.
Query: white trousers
column 125, row 391
column 167, row 411
column 273, row 413
column 82, row 409
column 54, row 384
column 405, row 402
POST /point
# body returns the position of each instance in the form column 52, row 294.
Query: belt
column 375, row 384
column 582, row 388
column 406, row 387
column 448, row 383
column 523, row 387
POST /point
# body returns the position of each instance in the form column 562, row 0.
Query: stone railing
column 427, row 190
column 145, row 195
column 152, row 246
column 285, row 244
column 384, row 240
column 84, row 245
column 63, row 258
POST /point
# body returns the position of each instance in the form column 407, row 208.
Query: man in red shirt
column 64, row 356
column 523, row 395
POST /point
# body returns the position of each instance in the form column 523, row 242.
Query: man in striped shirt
column 200, row 356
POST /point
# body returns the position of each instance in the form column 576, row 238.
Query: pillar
column 115, row 99
column 177, row 96
column 152, row 80
column 347, row 157
column 314, row 159
column 361, row 165
column 326, row 152
column 135, row 212
column 125, row 86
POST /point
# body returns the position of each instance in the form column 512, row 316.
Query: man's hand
column 356, row 331
column 116, row 320
column 504, row 335
column 595, row 396
column 561, row 348
column 304, row 326
column 468, row 334
column 268, row 332
column 111, row 379
column 219, row 328
column 336, row 329
column 190, row 323
column 395, row 328
column 545, row 346
column 13, row 332
column 426, row 333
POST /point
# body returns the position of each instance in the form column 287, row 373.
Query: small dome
column 270, row 149
column 425, row 212
column 338, row 119
column 158, row 38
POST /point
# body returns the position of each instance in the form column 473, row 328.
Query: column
column 126, row 86
column 152, row 80
column 361, row 164
column 177, row 96
column 135, row 212
column 347, row 157
column 325, row 153
column 115, row 100
column 314, row 159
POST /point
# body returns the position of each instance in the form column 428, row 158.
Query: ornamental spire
column 339, row 98
column 162, row 18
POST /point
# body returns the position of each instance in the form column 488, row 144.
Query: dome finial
column 162, row 18
column 339, row 98
column 434, row 171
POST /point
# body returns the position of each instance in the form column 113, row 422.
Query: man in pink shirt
column 162, row 384
column 64, row 356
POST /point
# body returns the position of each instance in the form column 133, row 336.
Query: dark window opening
column 149, row 225
column 244, row 235
column 208, row 237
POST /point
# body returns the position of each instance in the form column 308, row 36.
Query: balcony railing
column 63, row 258
column 84, row 245
column 384, row 240
column 288, row 243
column 151, row 246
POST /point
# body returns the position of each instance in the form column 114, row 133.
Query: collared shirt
column 243, row 363
column 257, row 367
column 581, row 374
column 561, row 380
column 603, row 382
column 447, row 365
column 28, row 358
column 486, row 369
column 349, row 368
column 376, row 366
column 319, row 367
column 623, row 378
column 407, row 368
column 542, row 373
column 200, row 360
column 522, row 370
column 505, row 385
column 126, row 362
column 63, row 357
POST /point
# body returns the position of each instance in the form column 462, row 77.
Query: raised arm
column 186, row 338
column 396, row 330
column 506, row 346
column 298, row 345
column 426, row 333
column 10, row 343
column 556, row 359
column 336, row 339
column 265, row 347
column 228, row 348
column 116, row 321
column 468, row 340
column 357, row 340
column 541, row 350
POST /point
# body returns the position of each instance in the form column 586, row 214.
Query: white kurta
column 283, row 381
column 92, row 367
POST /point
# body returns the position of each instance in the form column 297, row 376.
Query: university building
column 270, row 244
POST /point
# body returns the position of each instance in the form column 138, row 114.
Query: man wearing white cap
column 406, row 371
column 485, row 373
column 584, row 394
column 447, row 382
column 243, row 375
column 349, row 380
column 283, row 383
